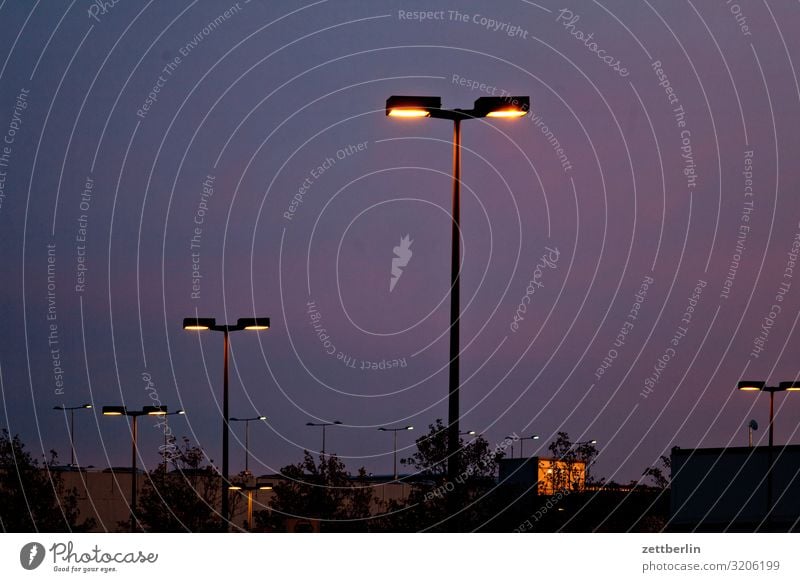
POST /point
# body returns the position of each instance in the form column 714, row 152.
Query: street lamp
column 134, row 414
column 180, row 412
column 210, row 324
column 407, row 106
column 512, row 439
column 750, row 386
column 246, row 422
column 533, row 437
column 250, row 489
column 72, row 410
column 395, row 431
column 468, row 433
column 324, row 425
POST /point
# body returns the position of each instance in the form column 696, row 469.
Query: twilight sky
column 627, row 246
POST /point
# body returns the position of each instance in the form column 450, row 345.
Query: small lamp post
column 324, row 425
column 249, row 489
column 394, row 431
column 533, row 437
column 758, row 386
column 71, row 410
column 246, row 422
column 134, row 414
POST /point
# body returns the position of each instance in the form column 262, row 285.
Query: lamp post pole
column 72, row 410
column 395, row 431
column 455, row 309
column 771, row 416
column 134, row 435
column 225, row 434
column 324, row 425
column 522, row 440
column 246, row 422
column 250, row 489
column 760, row 386
column 512, row 439
column 209, row 323
column 134, row 415
column 402, row 106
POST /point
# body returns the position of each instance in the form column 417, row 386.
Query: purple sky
column 658, row 109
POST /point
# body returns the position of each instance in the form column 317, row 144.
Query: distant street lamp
column 250, row 489
column 591, row 442
column 324, row 425
column 533, row 437
column 394, row 431
column 72, row 410
column 407, row 106
column 750, row 386
column 134, row 414
column 246, row 422
column 468, row 433
column 166, row 433
column 512, row 439
column 210, row 324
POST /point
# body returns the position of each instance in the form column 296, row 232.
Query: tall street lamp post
column 404, row 107
column 134, row 414
column 324, row 425
column 533, row 437
column 246, row 422
column 72, row 410
column 750, row 386
column 210, row 324
column 394, row 431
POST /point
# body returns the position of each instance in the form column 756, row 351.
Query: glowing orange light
column 408, row 112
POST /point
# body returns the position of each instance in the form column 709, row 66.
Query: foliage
column 435, row 504
column 572, row 459
column 322, row 490
column 659, row 475
column 187, row 498
column 34, row 497
column 430, row 459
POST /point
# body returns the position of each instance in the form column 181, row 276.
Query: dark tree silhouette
column 659, row 475
column 436, row 504
column 33, row 496
column 430, row 459
column 325, row 491
column 565, row 472
column 186, row 498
